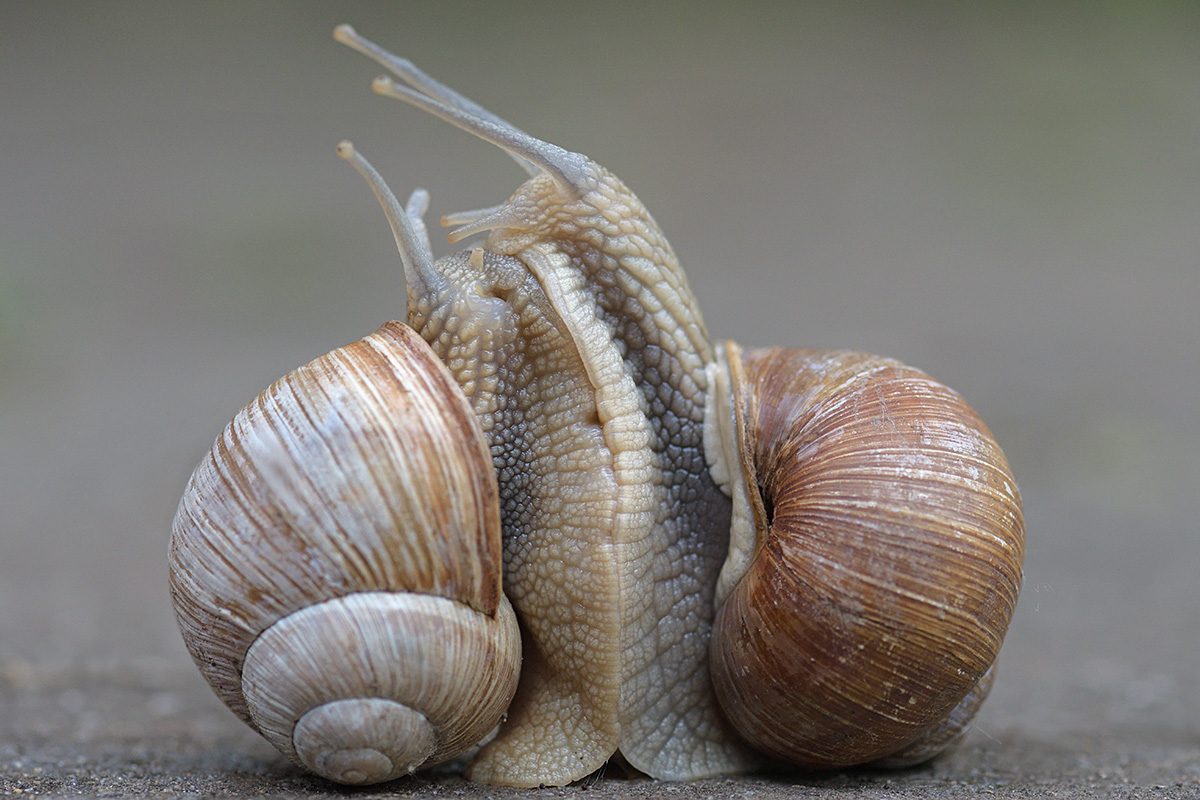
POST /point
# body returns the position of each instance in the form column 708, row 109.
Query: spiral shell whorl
column 371, row 686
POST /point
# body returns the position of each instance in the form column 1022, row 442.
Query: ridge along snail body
column 714, row 555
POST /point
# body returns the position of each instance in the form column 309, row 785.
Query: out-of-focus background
column 1005, row 195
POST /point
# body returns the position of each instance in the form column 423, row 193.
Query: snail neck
column 729, row 447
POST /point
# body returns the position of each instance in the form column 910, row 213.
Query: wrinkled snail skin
column 884, row 559
column 587, row 522
column 574, row 334
column 713, row 556
column 335, row 565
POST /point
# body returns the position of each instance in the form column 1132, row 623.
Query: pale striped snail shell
column 335, row 565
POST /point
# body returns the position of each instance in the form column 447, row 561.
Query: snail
column 717, row 558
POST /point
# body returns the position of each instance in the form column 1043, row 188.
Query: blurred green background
column 1006, row 195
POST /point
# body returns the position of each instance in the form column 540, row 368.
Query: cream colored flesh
column 560, row 511
column 590, row 385
column 574, row 335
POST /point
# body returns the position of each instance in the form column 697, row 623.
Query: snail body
column 644, row 487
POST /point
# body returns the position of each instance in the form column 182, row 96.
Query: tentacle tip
column 345, row 34
column 418, row 202
column 465, row 229
column 345, row 150
column 383, row 85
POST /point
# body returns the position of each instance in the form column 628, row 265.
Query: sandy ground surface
column 1005, row 198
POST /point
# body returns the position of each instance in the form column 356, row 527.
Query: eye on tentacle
column 408, row 227
column 572, row 172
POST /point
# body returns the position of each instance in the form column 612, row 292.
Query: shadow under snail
column 714, row 556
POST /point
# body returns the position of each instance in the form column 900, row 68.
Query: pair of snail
column 549, row 503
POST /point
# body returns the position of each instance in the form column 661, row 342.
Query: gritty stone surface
column 107, row 731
